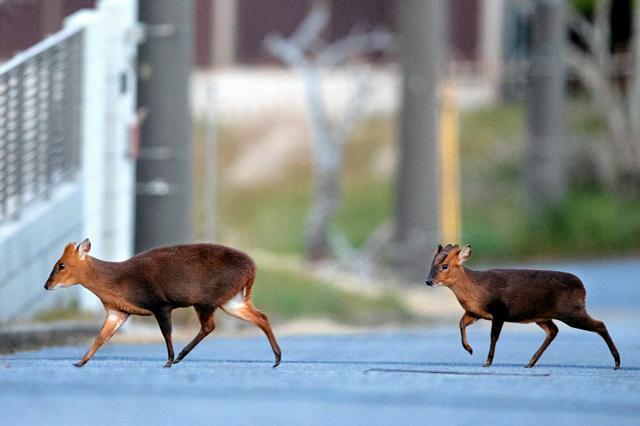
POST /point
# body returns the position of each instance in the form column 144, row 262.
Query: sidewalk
column 37, row 335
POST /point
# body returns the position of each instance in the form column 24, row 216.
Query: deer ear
column 84, row 248
column 437, row 250
column 464, row 253
column 69, row 247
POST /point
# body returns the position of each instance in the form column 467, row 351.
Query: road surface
column 381, row 378
column 401, row 377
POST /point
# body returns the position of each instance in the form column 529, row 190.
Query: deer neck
column 103, row 278
column 466, row 287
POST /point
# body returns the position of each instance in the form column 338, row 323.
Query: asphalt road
column 418, row 377
column 387, row 378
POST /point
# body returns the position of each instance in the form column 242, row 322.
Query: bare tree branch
column 583, row 28
column 617, row 103
column 606, row 99
column 602, row 34
column 355, row 108
column 303, row 51
column 324, row 155
column 355, row 45
column 286, row 51
column 311, row 28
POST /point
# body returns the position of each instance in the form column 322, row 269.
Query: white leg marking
column 118, row 318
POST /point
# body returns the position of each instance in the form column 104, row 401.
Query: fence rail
column 40, row 120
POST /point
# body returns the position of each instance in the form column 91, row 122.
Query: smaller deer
column 154, row 282
column 514, row 295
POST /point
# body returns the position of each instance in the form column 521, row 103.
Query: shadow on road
column 455, row 373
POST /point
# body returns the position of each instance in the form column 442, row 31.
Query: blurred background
column 336, row 142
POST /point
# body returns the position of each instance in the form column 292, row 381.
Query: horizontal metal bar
column 49, row 42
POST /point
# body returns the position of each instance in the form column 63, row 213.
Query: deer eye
column 61, row 266
column 445, row 266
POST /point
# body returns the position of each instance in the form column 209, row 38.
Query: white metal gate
column 39, row 121
column 67, row 106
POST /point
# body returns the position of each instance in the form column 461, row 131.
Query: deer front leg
column 112, row 323
column 466, row 320
column 496, row 327
column 163, row 316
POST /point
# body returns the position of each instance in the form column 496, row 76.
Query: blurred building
column 23, row 23
column 230, row 32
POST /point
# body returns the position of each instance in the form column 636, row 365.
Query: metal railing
column 40, row 95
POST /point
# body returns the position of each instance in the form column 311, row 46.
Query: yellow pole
column 449, row 167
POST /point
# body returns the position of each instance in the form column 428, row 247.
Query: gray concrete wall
column 29, row 248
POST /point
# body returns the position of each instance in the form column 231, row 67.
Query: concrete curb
column 34, row 336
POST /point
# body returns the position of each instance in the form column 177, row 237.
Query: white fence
column 67, row 107
column 39, row 122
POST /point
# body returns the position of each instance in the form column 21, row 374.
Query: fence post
column 108, row 108
column 93, row 134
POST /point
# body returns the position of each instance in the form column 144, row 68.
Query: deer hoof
column 79, row 364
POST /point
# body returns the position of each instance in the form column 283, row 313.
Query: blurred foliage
column 367, row 183
column 67, row 311
column 585, row 7
column 588, row 222
column 270, row 216
column 285, row 294
column 591, row 222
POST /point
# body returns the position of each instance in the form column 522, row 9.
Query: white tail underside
column 236, row 303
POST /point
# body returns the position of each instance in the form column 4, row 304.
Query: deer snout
column 48, row 285
column 429, row 280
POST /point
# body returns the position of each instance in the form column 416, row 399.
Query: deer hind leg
column 496, row 327
column 552, row 330
column 240, row 307
column 466, row 321
column 112, row 323
column 207, row 325
column 585, row 322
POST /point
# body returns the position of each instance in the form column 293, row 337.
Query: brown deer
column 205, row 276
column 514, row 295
